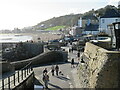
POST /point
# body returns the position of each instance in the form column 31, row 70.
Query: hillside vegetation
column 55, row 28
column 70, row 20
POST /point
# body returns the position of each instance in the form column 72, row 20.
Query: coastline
column 43, row 36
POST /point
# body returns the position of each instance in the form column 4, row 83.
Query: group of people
column 46, row 76
column 56, row 69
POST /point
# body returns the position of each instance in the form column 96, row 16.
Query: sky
column 25, row 13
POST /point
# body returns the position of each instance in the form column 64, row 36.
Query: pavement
column 67, row 79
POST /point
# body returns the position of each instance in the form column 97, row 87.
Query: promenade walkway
column 68, row 78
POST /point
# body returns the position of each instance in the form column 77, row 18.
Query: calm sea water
column 10, row 38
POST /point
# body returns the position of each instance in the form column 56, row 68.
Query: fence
column 16, row 78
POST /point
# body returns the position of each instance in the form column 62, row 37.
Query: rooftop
column 92, row 27
column 111, row 13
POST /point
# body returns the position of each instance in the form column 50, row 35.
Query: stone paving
column 69, row 79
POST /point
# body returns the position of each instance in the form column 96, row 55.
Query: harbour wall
column 6, row 67
column 101, row 68
column 44, row 58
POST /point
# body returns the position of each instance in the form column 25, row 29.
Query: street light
column 117, row 34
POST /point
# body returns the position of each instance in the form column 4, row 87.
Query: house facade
column 75, row 31
column 91, row 29
column 110, row 16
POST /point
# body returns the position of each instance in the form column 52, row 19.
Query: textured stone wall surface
column 6, row 67
column 100, row 68
column 44, row 58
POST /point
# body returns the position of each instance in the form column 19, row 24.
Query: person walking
column 57, row 69
column 52, row 70
column 72, row 62
column 45, row 80
column 78, row 54
column 45, row 71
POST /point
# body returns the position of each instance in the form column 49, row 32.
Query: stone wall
column 44, row 58
column 100, row 68
column 6, row 67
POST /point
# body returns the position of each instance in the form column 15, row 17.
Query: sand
column 43, row 36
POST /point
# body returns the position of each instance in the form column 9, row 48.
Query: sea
column 14, row 38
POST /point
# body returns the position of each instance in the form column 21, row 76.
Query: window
column 103, row 21
column 116, row 20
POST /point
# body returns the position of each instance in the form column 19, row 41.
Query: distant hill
column 67, row 20
column 70, row 20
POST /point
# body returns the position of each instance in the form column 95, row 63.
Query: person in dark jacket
column 57, row 69
column 72, row 62
column 52, row 70
column 45, row 71
column 45, row 80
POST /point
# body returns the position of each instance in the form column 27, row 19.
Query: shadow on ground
column 37, row 82
column 55, row 86
column 62, row 78
column 47, row 64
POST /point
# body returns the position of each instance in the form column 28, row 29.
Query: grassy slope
column 55, row 28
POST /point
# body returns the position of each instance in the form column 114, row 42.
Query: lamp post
column 117, row 34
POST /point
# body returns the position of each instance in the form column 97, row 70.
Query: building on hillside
column 86, row 20
column 110, row 16
column 91, row 29
column 75, row 31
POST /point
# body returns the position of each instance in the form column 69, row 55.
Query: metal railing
column 16, row 78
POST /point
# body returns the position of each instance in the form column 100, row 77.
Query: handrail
column 17, row 77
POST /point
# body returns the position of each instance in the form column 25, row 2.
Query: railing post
column 25, row 72
column 22, row 74
column 18, row 77
column 29, row 69
column 2, row 84
column 9, row 83
column 14, row 79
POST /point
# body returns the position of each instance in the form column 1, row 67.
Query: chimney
column 80, row 22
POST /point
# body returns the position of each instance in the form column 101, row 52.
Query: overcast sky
column 24, row 13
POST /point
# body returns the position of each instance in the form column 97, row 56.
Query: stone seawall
column 100, row 68
column 44, row 58
column 6, row 67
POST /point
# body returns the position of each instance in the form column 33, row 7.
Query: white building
column 77, row 30
column 110, row 16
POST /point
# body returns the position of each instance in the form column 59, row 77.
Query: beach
column 42, row 36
